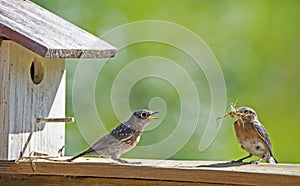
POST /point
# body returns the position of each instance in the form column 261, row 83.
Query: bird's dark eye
column 249, row 112
column 144, row 114
column 246, row 111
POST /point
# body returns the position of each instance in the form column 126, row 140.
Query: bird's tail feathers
column 272, row 160
column 77, row 156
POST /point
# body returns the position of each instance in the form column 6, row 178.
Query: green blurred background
column 256, row 42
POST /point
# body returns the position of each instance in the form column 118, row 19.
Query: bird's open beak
column 151, row 116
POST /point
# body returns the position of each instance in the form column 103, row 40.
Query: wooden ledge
column 162, row 172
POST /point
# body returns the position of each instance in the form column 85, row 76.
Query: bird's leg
column 126, row 162
column 241, row 160
column 135, row 162
column 123, row 161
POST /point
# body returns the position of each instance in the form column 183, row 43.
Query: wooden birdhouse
column 33, row 46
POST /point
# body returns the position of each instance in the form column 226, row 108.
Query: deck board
column 160, row 171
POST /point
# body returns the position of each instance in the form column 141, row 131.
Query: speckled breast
column 249, row 138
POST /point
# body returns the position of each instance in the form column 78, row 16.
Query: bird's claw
column 127, row 162
column 135, row 162
column 253, row 162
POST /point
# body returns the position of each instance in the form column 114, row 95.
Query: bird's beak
column 151, row 117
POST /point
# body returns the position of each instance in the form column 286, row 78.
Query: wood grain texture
column 4, row 98
column 38, row 180
column 24, row 101
column 47, row 34
column 164, row 171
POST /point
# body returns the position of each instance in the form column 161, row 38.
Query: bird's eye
column 143, row 114
column 246, row 111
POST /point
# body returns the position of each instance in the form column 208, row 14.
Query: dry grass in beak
column 232, row 112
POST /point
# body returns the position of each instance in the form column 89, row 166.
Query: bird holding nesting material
column 251, row 134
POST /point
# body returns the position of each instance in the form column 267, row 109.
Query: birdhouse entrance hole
column 37, row 71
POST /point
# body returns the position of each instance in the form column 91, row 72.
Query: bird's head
column 145, row 115
column 242, row 113
column 140, row 118
column 246, row 113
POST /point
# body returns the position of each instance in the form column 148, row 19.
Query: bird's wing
column 100, row 145
column 263, row 134
column 122, row 132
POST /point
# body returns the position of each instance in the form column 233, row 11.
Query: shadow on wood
column 226, row 164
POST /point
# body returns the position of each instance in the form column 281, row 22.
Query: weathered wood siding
column 22, row 101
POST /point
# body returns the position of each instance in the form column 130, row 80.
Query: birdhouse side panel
column 4, row 98
column 51, row 105
column 37, row 90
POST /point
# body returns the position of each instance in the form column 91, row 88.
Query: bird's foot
column 135, row 162
column 255, row 162
column 126, row 162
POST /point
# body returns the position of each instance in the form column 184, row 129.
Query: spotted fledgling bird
column 251, row 134
column 121, row 139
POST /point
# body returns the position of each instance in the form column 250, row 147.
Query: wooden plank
column 4, row 98
column 164, row 170
column 13, row 179
column 47, row 34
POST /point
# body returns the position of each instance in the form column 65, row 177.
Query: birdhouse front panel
column 31, row 87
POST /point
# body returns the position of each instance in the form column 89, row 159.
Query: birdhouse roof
column 47, row 34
